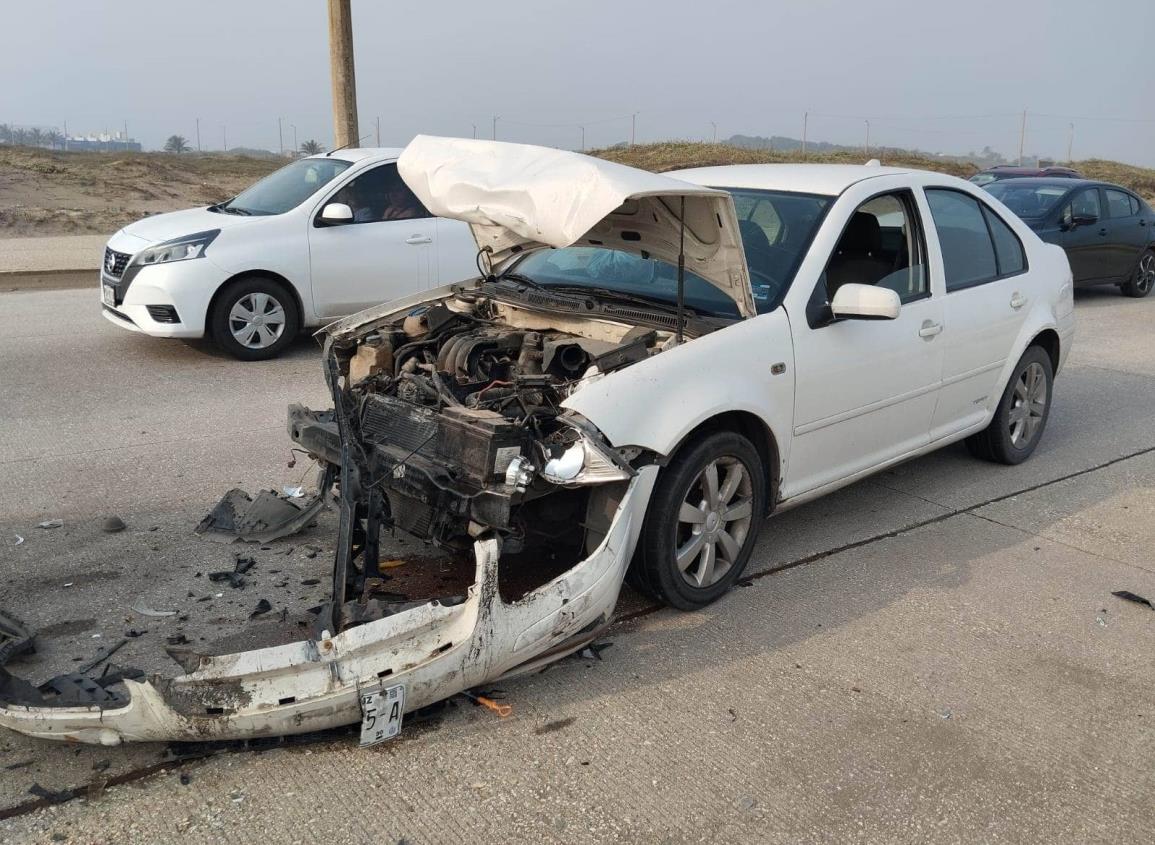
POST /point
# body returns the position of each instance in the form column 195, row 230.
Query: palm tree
column 36, row 137
column 176, row 144
column 311, row 148
column 53, row 139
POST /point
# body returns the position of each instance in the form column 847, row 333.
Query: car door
column 456, row 253
column 866, row 389
column 1085, row 242
column 984, row 267
column 1126, row 233
column 384, row 252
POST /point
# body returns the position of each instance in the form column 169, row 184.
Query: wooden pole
column 343, row 76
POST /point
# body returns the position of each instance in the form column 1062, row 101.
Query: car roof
column 826, row 179
column 1059, row 182
column 356, row 154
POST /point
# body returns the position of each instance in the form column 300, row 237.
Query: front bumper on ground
column 434, row 649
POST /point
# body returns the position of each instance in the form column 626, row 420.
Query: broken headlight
column 581, row 461
column 178, row 249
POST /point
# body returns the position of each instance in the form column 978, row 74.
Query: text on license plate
column 381, row 712
column 108, row 295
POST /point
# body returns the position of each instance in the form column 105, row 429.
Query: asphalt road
column 930, row 655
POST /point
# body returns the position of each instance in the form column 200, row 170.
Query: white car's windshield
column 285, row 189
column 776, row 229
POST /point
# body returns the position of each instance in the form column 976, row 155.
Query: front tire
column 1143, row 279
column 254, row 318
column 702, row 521
column 1021, row 416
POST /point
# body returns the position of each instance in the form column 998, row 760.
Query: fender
column 654, row 404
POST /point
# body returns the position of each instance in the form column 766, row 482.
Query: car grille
column 115, row 262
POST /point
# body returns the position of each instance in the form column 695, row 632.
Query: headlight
column 178, row 249
column 583, row 462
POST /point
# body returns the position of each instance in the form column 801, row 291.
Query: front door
column 866, row 389
column 1086, row 243
column 385, row 252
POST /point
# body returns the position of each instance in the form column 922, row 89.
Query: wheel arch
column 1049, row 340
column 754, row 429
column 260, row 274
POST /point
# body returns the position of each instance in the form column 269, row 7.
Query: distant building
column 103, row 142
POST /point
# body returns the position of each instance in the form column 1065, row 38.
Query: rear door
column 384, row 253
column 1086, row 243
column 1126, row 232
column 987, row 292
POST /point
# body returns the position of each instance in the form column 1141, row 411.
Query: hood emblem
column 109, row 261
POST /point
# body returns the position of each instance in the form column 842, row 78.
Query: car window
column 285, row 189
column 1135, row 206
column 984, row 178
column 1008, row 248
column 1085, row 204
column 1119, row 204
column 380, row 195
column 881, row 245
column 1033, row 200
column 968, row 256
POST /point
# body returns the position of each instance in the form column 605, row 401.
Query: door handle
column 1103, row 232
column 418, row 239
column 929, row 329
column 1018, row 300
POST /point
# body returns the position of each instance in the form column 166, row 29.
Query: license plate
column 108, row 295
column 381, row 712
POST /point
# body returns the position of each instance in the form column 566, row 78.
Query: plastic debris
column 1127, row 595
column 294, row 492
column 19, row 540
column 51, row 523
column 262, row 607
column 156, row 614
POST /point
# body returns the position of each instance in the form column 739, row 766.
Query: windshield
column 776, row 230
column 285, row 189
column 1028, row 200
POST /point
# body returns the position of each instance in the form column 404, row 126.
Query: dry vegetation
column 48, row 193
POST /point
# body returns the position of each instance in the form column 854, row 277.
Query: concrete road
column 931, row 655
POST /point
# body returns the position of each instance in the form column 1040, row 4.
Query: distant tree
column 53, row 139
column 311, row 148
column 20, row 137
column 176, row 144
column 5, row 133
column 36, row 136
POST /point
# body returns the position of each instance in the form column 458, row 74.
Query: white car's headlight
column 583, row 462
column 178, row 249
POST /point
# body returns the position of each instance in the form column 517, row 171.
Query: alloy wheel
column 257, row 320
column 1145, row 275
column 1028, row 405
column 713, row 521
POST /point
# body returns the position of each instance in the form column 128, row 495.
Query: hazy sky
column 938, row 76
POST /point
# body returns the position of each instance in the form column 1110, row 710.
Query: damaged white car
column 644, row 369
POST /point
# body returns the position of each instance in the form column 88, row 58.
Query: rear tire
column 1021, row 417
column 705, row 512
column 254, row 318
column 1143, row 279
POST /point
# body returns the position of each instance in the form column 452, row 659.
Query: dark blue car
column 1107, row 231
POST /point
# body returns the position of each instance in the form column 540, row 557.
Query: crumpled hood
column 177, row 224
column 518, row 197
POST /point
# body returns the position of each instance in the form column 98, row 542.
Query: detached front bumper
column 435, row 650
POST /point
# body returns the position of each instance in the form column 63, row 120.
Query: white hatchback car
column 647, row 368
column 318, row 239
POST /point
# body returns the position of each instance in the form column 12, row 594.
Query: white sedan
column 648, row 368
column 323, row 237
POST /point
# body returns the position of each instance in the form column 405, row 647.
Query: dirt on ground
column 44, row 192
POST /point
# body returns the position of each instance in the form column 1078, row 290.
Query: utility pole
column 1070, row 141
column 633, row 128
column 805, row 120
column 343, row 76
column 495, row 119
column 198, row 133
column 126, row 130
column 378, row 131
column 866, row 149
column 280, row 137
column 1022, row 137
column 224, row 139
column 583, row 129
column 712, row 123
column 293, row 126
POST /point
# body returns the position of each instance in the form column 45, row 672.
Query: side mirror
column 1084, row 220
column 865, row 302
column 336, row 213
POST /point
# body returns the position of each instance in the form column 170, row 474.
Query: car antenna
column 682, row 270
column 346, row 146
